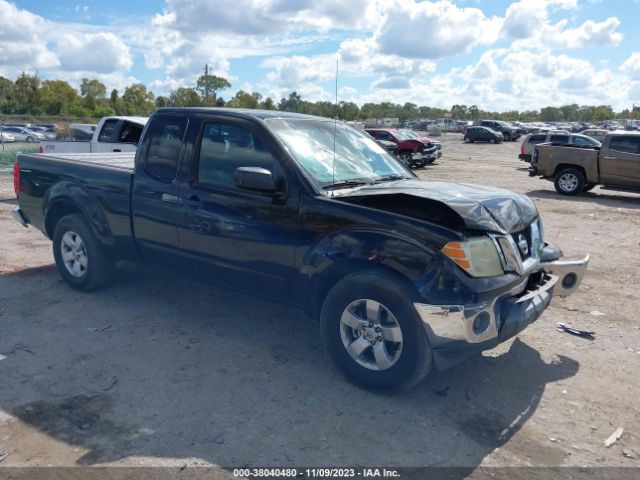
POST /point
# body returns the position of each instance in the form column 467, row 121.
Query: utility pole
column 206, row 84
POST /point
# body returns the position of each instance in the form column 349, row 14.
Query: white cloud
column 631, row 66
column 432, row 30
column 100, row 53
column 590, row 33
column 22, row 41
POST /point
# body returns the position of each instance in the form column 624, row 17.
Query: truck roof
column 241, row 112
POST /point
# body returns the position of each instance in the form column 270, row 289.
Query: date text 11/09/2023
column 315, row 473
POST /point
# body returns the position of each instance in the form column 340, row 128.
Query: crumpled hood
column 481, row 208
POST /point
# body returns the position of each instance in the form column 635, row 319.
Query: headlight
column 478, row 257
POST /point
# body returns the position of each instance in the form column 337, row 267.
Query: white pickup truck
column 113, row 134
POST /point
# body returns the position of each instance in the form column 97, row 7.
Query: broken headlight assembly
column 478, row 257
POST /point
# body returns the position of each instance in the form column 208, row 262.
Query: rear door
column 232, row 235
column 620, row 160
column 155, row 192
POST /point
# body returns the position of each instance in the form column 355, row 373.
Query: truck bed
column 121, row 161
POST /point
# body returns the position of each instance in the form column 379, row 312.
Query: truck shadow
column 599, row 196
column 161, row 366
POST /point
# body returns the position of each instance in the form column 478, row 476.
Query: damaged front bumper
column 455, row 331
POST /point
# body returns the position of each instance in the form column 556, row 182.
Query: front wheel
column 373, row 333
column 467, row 140
column 569, row 181
column 80, row 259
column 30, row 140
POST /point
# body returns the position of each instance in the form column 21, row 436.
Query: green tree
column 550, row 114
column 27, row 94
column 268, row 104
column 293, row 103
column 211, row 84
column 58, row 97
column 137, row 100
column 244, row 99
column 603, row 112
column 7, row 95
column 185, row 97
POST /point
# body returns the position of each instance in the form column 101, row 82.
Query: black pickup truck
column 403, row 274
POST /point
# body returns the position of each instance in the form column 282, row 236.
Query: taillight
column 522, row 149
column 16, row 178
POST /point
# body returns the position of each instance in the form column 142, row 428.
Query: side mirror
column 254, row 178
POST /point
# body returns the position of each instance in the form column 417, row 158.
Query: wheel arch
column 341, row 255
column 67, row 198
column 563, row 166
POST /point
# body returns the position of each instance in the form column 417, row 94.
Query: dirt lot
column 161, row 370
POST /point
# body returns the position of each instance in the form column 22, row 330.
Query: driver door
column 231, row 235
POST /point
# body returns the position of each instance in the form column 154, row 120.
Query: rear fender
column 68, row 196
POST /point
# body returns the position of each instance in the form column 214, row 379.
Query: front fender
column 348, row 250
column 65, row 194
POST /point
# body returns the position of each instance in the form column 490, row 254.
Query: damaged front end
column 504, row 239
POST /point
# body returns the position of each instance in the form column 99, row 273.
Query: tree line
column 35, row 96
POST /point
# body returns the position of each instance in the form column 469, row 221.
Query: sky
column 499, row 55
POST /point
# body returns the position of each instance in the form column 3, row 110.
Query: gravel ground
column 161, row 370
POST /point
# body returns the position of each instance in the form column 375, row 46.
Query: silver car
column 23, row 134
column 7, row 137
column 533, row 139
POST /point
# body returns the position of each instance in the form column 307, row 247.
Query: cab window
column 226, row 147
column 626, row 144
column 165, row 145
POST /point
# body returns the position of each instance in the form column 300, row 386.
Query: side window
column 383, row 136
column 559, row 139
column 625, row 144
column 164, row 147
column 537, row 139
column 224, row 148
column 581, row 141
column 108, row 131
column 130, row 133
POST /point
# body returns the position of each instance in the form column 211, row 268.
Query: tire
column 30, row 140
column 589, row 186
column 492, row 140
column 391, row 365
column 467, row 140
column 569, row 181
column 81, row 260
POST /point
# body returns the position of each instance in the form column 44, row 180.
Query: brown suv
column 575, row 169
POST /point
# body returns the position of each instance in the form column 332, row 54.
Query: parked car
column 404, row 275
column 6, row 137
column 533, row 139
column 574, row 169
column 113, row 134
column 22, row 134
column 509, row 132
column 415, row 152
column 416, row 135
column 482, row 134
column 595, row 133
column 389, row 146
column 47, row 132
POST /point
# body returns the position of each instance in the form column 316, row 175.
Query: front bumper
column 456, row 331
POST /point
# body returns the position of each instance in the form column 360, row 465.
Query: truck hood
column 477, row 207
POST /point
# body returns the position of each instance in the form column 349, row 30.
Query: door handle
column 117, row 150
column 610, row 158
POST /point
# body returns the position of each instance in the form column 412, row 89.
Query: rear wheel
column 80, row 259
column 373, row 333
column 492, row 140
column 30, row 140
column 569, row 181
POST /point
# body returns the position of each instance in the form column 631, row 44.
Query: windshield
column 357, row 156
column 409, row 133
